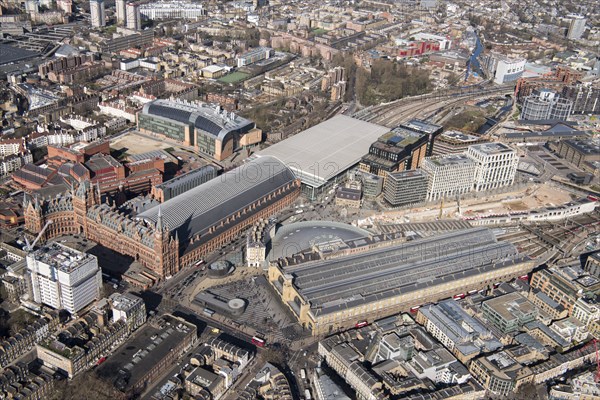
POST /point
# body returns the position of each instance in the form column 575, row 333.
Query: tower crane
column 594, row 343
column 29, row 247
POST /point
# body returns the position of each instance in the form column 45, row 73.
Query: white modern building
column 172, row 10
column 97, row 13
column 64, row 278
column 133, row 16
column 576, row 26
column 449, row 175
column 495, row 165
column 502, row 68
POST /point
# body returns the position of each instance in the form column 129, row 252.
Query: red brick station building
column 177, row 233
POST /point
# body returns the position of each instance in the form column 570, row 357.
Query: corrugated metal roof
column 204, row 206
column 327, row 149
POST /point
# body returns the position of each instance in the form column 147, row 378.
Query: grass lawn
column 234, row 77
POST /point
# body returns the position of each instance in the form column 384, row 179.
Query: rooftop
column 469, row 335
column 456, row 136
column 207, row 118
column 203, row 206
column 324, row 151
column 293, row 238
column 421, row 126
column 61, row 257
column 449, row 160
column 189, row 176
column 345, row 282
column 151, row 344
column 587, row 147
column 492, row 148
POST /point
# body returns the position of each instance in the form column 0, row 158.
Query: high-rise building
column 121, row 10
column 401, row 149
column 65, row 5
column 496, row 165
column 97, row 13
column 64, row 278
column 449, row 176
column 133, row 17
column 576, row 26
column 406, row 187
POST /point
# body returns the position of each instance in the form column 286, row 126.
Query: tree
column 19, row 320
column 85, row 386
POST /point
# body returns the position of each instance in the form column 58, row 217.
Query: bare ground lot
column 135, row 144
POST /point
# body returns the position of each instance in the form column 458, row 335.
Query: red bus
column 459, row 296
column 524, row 277
column 361, row 324
column 101, row 360
column 414, row 309
column 258, row 341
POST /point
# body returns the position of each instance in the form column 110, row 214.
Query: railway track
column 376, row 113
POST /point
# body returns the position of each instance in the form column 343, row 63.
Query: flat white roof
column 324, row 151
column 212, row 68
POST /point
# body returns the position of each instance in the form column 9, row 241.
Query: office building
column 402, row 149
column 348, row 197
column 372, row 184
column 495, row 165
column 326, row 388
column 509, row 312
column 337, row 293
column 399, row 150
column 64, row 278
column 454, row 142
column 546, row 105
column 449, row 176
column 500, row 373
column 128, row 308
column 97, row 13
column 576, row 26
column 462, row 334
column 210, row 129
column 503, row 69
column 133, row 18
column 121, row 11
column 565, row 284
column 406, row 187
